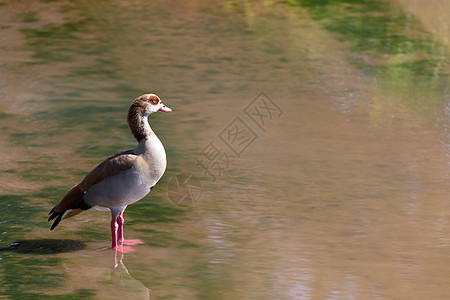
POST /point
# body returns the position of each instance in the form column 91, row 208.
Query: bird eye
column 154, row 101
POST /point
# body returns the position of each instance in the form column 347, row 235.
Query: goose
column 123, row 178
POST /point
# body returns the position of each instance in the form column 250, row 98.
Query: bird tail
column 58, row 215
column 62, row 215
column 72, row 204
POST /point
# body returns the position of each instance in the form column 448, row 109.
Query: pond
column 308, row 148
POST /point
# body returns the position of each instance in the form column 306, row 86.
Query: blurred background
column 308, row 148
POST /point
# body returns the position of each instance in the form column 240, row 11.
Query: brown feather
column 137, row 115
column 72, row 213
column 70, row 200
column 113, row 165
column 137, row 121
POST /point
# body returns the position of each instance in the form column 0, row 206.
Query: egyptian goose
column 123, row 178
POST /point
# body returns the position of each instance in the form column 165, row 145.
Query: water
column 338, row 189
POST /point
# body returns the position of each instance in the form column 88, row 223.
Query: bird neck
column 139, row 125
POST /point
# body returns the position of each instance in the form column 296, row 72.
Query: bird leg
column 117, row 236
column 114, row 227
column 120, row 222
column 121, row 240
column 114, row 234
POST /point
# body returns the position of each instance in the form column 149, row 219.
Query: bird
column 123, row 178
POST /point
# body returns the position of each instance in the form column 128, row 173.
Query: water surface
column 327, row 122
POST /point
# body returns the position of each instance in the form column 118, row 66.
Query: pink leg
column 120, row 238
column 115, row 225
column 120, row 222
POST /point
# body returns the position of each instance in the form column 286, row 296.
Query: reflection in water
column 104, row 272
column 124, row 284
column 443, row 120
column 84, row 265
column 345, row 195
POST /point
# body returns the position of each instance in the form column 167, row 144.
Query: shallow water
column 308, row 149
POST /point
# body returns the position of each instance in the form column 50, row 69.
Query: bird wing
column 111, row 166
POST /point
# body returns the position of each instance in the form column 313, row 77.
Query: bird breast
column 133, row 184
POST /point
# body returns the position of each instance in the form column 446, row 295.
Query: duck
column 123, row 178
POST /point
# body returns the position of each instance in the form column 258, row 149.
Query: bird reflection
column 88, row 267
column 123, row 283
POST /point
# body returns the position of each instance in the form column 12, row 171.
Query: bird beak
column 164, row 108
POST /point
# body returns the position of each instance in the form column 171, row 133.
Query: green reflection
column 395, row 49
column 26, row 276
column 372, row 28
column 156, row 210
column 16, row 216
column 43, row 169
column 31, row 16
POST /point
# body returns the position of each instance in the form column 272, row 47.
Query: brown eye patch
column 154, row 100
